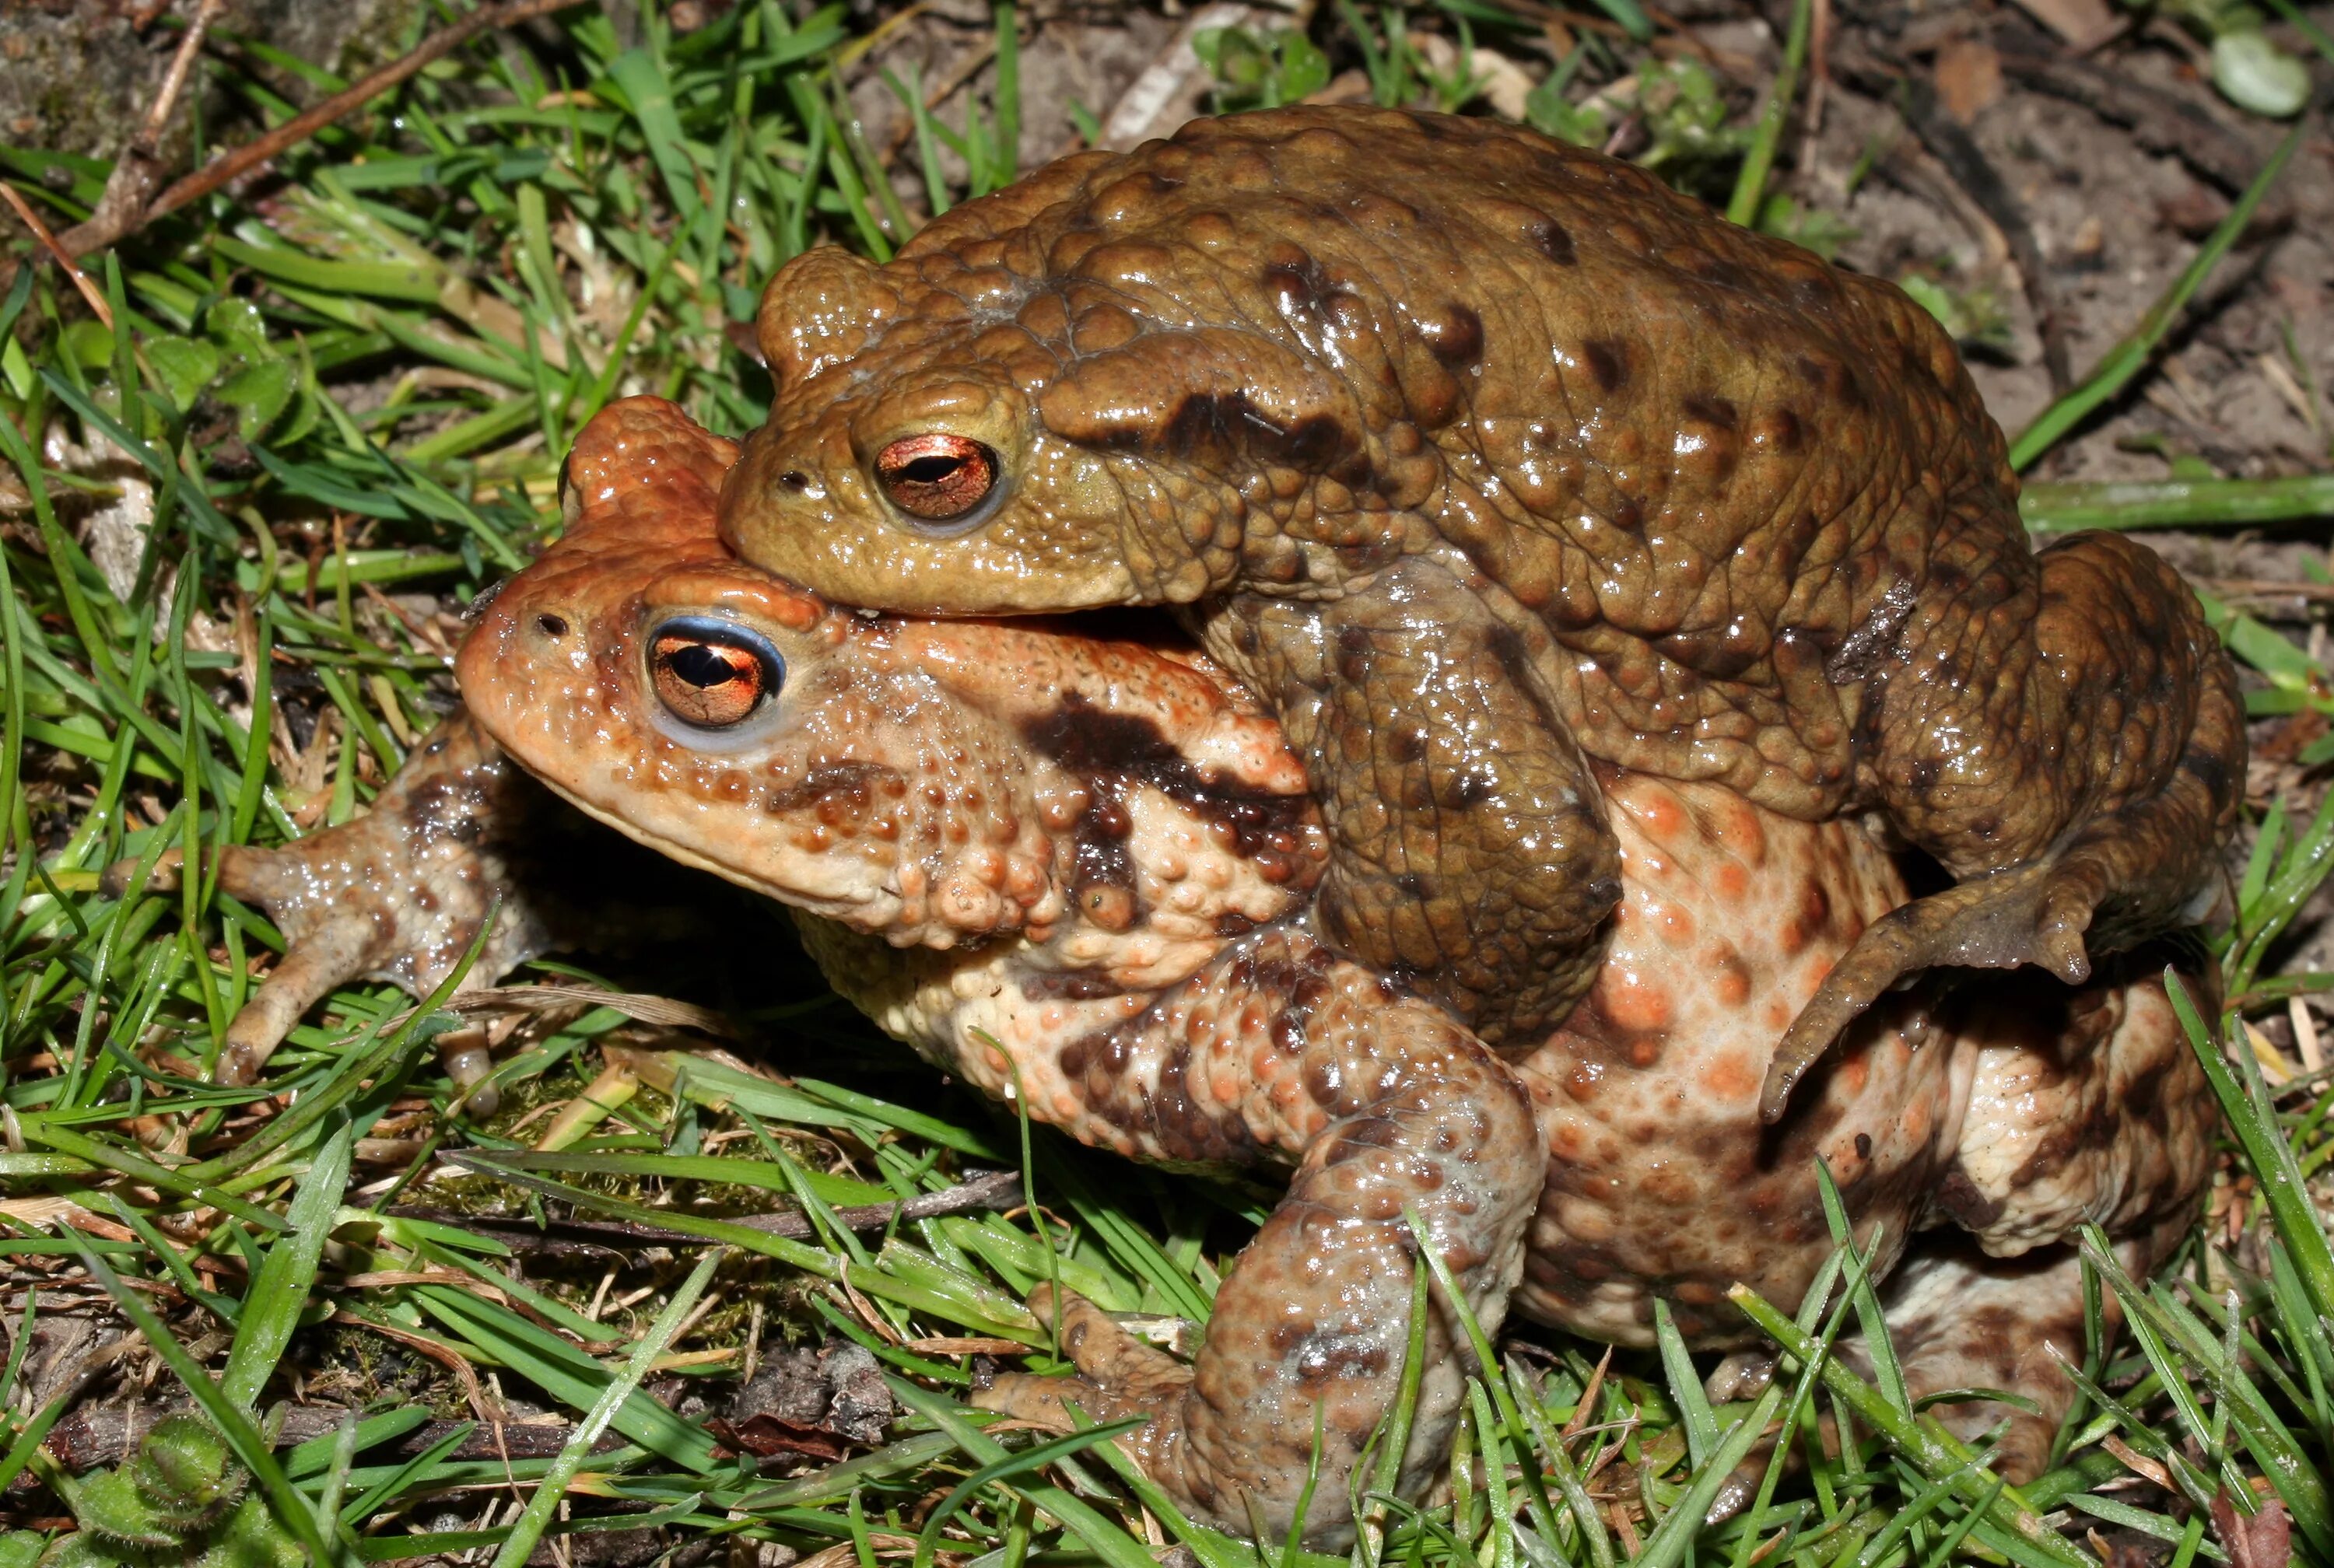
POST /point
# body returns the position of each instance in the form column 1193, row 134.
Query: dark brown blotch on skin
column 1229, row 424
column 1115, row 753
column 1608, row 363
column 1552, row 240
column 852, row 785
column 1713, row 411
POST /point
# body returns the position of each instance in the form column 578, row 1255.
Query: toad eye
column 711, row 674
column 936, row 478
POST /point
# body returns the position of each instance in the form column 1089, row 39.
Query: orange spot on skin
column 1739, row 830
column 1915, row 1123
column 1672, row 922
column 1660, row 816
column 1226, row 1082
column 1818, row 967
column 1634, row 1000
column 1733, row 880
column 1854, row 1074
column 1732, row 986
column 1730, row 1078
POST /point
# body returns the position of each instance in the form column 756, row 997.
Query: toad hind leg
column 1959, row 1320
column 1283, row 1050
column 2086, row 1106
column 1469, row 851
column 2072, row 745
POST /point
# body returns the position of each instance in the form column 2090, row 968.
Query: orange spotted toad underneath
column 1090, row 873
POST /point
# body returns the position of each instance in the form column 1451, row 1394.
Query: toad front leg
column 1283, row 1050
column 396, row 894
column 2064, row 734
column 1469, row 851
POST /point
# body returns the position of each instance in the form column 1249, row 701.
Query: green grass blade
column 2176, row 503
column 549, row 1492
column 1028, row 1459
column 1919, row 1438
column 1750, row 183
column 1674, row 1536
column 272, row 1309
column 2253, row 1118
column 1114, row 1546
column 1685, row 1387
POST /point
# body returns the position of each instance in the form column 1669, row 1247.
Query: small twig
column 64, row 258
column 88, row 1437
column 174, row 81
column 2270, row 588
column 1818, row 84
column 991, row 1191
column 946, row 87
column 138, row 170
column 647, row 1009
column 2160, row 121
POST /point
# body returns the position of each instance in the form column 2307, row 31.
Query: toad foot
column 2030, row 914
column 398, row 894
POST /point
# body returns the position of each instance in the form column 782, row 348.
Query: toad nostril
column 793, row 479
column 551, row 625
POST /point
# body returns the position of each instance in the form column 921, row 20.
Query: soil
column 76, row 75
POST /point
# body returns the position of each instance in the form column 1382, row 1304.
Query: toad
column 1488, row 464
column 1086, row 874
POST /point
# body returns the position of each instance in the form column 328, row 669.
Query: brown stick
column 174, row 81
column 106, row 227
column 1975, row 174
column 2268, row 588
column 50, row 243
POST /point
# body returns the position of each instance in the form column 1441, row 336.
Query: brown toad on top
column 1082, row 871
column 1485, row 461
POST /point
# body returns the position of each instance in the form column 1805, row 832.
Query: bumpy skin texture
column 1084, row 871
column 1472, row 454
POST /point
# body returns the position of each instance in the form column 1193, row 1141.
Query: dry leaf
column 1969, row 78
column 765, row 1435
column 2262, row 1540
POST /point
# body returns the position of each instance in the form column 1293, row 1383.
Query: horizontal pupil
column 931, row 470
column 700, row 665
